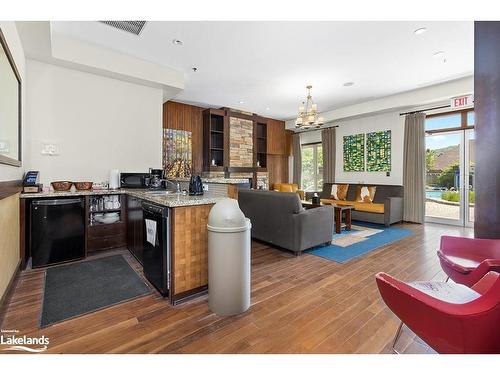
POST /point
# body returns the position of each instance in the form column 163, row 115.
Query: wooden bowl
column 61, row 185
column 86, row 185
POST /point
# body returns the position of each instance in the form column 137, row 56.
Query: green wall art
column 378, row 151
column 354, row 153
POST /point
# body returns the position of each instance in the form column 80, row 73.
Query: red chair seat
column 449, row 318
column 467, row 260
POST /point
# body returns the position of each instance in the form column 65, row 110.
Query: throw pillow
column 365, row 194
column 339, row 191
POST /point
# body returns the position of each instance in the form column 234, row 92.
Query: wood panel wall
column 187, row 117
column 9, row 241
column 487, row 110
column 190, row 244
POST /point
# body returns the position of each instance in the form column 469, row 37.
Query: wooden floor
column 299, row 305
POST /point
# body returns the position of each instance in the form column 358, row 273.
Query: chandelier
column 308, row 114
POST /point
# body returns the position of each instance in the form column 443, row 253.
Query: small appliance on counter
column 114, row 179
column 134, row 180
column 195, row 186
column 31, row 182
column 156, row 177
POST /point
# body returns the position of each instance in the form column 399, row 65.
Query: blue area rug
column 361, row 239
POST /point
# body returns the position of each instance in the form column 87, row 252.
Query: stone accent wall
column 241, row 142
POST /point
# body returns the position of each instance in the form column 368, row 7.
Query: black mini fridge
column 57, row 231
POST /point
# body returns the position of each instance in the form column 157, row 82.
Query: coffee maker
column 156, row 178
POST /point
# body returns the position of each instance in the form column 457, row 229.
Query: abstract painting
column 378, row 151
column 354, row 153
column 177, row 153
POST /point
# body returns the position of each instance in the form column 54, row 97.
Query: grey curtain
column 297, row 159
column 414, row 168
column 328, row 142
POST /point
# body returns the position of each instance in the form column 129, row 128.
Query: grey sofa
column 279, row 219
column 391, row 196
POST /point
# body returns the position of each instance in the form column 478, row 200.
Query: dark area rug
column 80, row 288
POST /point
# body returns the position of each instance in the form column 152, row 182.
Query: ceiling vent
column 133, row 27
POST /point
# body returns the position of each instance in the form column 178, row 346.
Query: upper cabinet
column 276, row 137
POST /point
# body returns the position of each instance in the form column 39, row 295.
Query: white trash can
column 228, row 259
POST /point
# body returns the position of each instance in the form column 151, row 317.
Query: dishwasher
column 156, row 246
column 57, row 231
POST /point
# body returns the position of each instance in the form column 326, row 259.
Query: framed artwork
column 354, row 153
column 378, row 151
column 177, row 153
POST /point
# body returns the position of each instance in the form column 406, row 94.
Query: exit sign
column 462, row 101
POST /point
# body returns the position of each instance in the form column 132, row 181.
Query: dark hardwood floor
column 299, row 305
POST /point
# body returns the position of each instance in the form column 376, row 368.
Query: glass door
column 443, row 186
column 450, row 159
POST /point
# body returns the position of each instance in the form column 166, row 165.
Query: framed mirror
column 10, row 107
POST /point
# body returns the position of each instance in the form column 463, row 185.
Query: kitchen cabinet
column 135, row 227
column 103, row 235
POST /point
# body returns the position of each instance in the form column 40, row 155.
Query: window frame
column 463, row 120
column 314, row 146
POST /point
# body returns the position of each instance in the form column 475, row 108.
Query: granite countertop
column 174, row 199
column 168, row 200
column 216, row 180
column 75, row 193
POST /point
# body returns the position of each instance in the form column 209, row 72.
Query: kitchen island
column 186, row 245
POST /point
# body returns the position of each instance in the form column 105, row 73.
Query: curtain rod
column 316, row 129
column 424, row 110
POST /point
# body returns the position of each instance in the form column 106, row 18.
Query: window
column 449, row 121
column 312, row 167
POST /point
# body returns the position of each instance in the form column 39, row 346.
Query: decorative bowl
column 86, row 185
column 61, row 185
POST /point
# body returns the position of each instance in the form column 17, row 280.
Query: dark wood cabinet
column 102, row 236
column 260, row 143
column 216, row 140
column 134, row 227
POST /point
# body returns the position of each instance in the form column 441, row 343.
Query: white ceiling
column 268, row 64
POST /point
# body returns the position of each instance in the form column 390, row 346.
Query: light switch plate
column 50, row 149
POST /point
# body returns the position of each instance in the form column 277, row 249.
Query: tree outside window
column 312, row 167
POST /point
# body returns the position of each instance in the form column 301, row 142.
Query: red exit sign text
column 462, row 101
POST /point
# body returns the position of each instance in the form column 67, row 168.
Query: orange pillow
column 365, row 194
column 339, row 191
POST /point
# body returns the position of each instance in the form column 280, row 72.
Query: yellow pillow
column 339, row 191
column 365, row 194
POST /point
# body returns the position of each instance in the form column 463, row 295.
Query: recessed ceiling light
column 420, row 31
column 267, row 108
column 438, row 54
column 177, row 42
column 241, row 102
column 347, row 84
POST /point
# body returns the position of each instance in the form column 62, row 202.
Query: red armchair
column 467, row 260
column 450, row 318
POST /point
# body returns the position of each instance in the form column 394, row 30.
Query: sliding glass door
column 450, row 181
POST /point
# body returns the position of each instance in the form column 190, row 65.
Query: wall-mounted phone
column 31, row 182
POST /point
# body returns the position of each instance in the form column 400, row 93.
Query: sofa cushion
column 377, row 208
column 365, row 194
column 339, row 191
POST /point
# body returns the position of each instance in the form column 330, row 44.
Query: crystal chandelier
column 308, row 114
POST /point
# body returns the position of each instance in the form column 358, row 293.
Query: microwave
column 133, row 180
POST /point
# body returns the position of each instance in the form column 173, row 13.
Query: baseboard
column 8, row 291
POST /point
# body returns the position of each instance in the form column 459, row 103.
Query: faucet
column 176, row 184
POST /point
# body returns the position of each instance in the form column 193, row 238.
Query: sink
column 163, row 192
